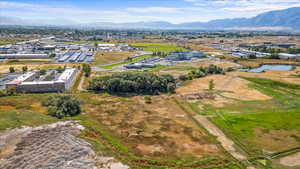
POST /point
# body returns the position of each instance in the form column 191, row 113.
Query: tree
column 24, row 69
column 42, row 72
column 211, row 85
column 96, row 45
column 62, row 105
column 52, row 55
column 12, row 69
column 86, row 69
column 60, row 69
column 252, row 56
column 274, row 56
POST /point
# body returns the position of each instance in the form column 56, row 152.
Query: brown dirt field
column 292, row 76
column 232, row 86
column 291, row 160
column 111, row 57
column 152, row 130
column 275, row 140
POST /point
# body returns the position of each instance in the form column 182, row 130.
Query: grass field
column 127, row 62
column 272, row 125
column 155, row 47
column 23, row 110
column 111, row 57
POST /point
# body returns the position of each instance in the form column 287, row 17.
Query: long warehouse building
column 24, row 56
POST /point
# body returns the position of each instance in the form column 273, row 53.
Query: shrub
column 2, row 93
column 148, row 99
column 24, row 69
column 12, row 69
column 183, row 77
column 11, row 91
column 62, row 105
column 211, row 85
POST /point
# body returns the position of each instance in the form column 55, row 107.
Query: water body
column 271, row 67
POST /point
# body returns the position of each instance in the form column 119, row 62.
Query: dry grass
column 152, row 130
column 111, row 57
column 4, row 68
column 230, row 85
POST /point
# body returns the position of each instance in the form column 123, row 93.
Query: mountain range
column 288, row 19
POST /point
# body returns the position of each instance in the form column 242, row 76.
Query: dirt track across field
column 227, row 143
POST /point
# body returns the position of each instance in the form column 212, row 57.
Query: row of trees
column 134, row 82
column 201, row 72
column 12, row 69
column 160, row 53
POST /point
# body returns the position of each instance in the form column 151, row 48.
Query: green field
column 155, row 47
column 23, row 110
column 276, row 118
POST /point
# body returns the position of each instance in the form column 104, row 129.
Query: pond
column 271, row 67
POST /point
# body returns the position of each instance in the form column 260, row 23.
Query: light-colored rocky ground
column 51, row 146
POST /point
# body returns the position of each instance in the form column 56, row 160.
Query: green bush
column 133, row 82
column 62, row 105
column 12, row 69
column 202, row 72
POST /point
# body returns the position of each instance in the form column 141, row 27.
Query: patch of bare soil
column 276, row 140
column 207, row 98
column 54, row 146
column 227, row 143
column 291, row 160
column 159, row 129
column 231, row 86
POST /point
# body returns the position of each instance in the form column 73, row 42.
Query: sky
column 174, row 11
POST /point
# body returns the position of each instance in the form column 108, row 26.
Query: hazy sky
column 175, row 11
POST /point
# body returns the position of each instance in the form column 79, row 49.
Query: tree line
column 134, row 82
column 202, row 72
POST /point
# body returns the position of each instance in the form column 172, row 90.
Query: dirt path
column 80, row 88
column 227, row 143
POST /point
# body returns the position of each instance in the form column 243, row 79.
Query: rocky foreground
column 51, row 146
